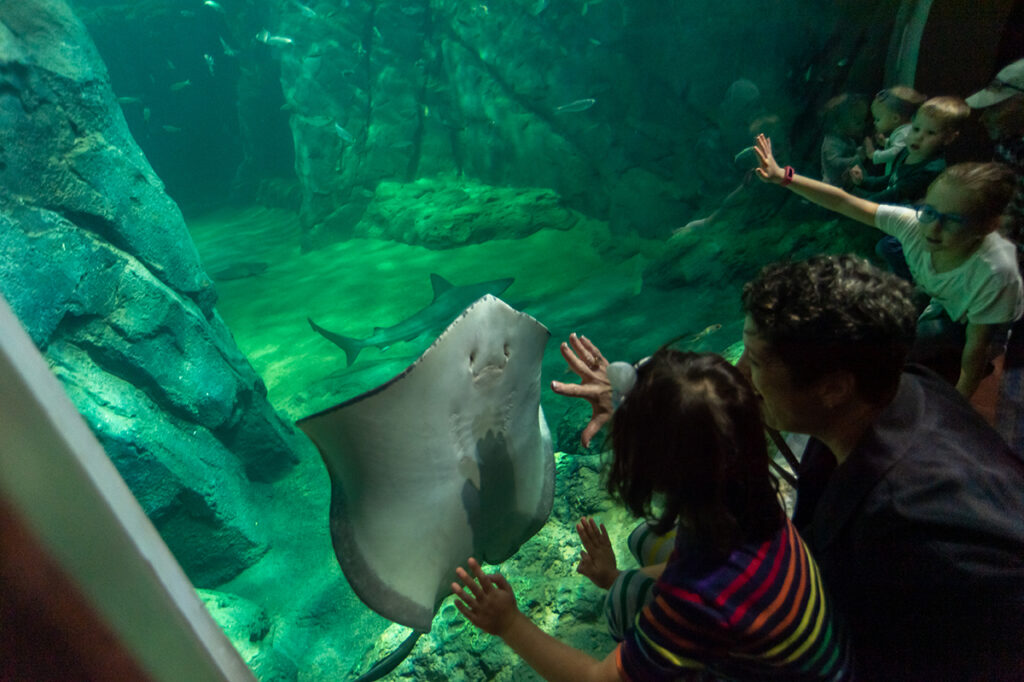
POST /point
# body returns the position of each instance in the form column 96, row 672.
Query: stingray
column 450, row 459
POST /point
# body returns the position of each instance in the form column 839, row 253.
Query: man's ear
column 836, row 389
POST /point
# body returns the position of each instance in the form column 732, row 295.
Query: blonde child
column 934, row 126
column 892, row 110
column 952, row 248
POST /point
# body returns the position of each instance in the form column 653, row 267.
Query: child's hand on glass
column 769, row 170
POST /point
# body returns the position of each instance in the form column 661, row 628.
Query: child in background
column 954, row 252
column 935, row 125
column 892, row 111
column 933, row 128
column 845, row 118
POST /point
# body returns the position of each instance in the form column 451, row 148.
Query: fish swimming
column 703, row 334
column 215, row 6
column 209, row 62
column 345, row 135
column 578, row 105
column 228, row 50
column 268, row 38
column 449, row 301
column 239, row 271
column 305, row 10
column 180, row 85
column 129, row 100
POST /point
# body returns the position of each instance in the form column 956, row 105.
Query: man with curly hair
column 912, row 504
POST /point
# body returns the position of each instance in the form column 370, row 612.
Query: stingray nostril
column 472, row 357
column 507, row 353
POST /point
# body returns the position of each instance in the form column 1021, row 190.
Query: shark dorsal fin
column 440, row 284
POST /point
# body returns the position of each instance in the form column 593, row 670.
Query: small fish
column 228, row 50
column 306, row 10
column 187, row 13
column 170, row 65
column 376, row 32
column 268, row 38
column 146, row 113
column 701, row 335
column 209, row 62
column 129, row 100
column 180, row 85
column 578, row 105
column 171, row 129
column 746, row 158
column 595, row 41
column 215, row 6
column 240, row 271
column 345, row 135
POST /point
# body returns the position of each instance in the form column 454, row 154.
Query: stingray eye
column 472, row 357
column 507, row 353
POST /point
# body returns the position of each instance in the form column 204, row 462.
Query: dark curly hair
column 690, row 431
column 832, row 313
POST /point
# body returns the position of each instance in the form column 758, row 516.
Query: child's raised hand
column 769, row 170
column 856, row 175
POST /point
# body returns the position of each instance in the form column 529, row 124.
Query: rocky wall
column 100, row 268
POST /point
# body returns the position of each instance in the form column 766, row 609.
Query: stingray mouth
column 487, row 372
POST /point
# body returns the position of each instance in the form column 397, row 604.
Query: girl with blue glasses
column 954, row 252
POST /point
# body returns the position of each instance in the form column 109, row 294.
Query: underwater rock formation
column 101, row 270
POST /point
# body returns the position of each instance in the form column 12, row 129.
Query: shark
column 449, row 300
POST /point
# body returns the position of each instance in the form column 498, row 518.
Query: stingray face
column 488, row 360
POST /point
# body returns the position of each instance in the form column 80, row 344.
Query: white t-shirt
column 896, row 143
column 984, row 289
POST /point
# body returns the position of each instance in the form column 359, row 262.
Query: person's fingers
column 604, row 534
column 467, row 612
column 575, row 362
column 591, row 430
column 593, row 351
column 584, row 349
column 468, row 582
column 500, row 582
column 469, row 599
column 585, row 533
column 485, row 583
column 589, row 391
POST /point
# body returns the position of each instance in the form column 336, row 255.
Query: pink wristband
column 788, row 177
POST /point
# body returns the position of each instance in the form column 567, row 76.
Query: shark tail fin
column 346, row 343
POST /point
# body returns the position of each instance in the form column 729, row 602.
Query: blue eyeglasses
column 950, row 221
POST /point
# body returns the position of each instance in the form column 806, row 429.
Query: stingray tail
column 346, row 343
column 392, row 660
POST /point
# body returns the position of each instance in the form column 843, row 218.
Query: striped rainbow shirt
column 760, row 614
